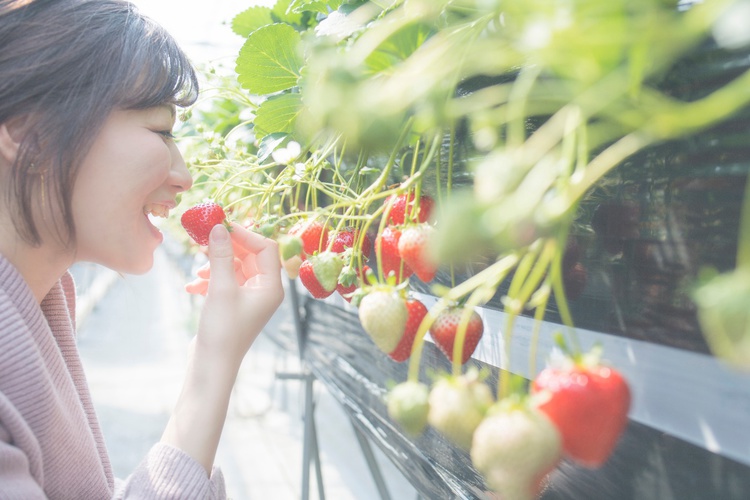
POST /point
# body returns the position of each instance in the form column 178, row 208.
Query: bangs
column 158, row 73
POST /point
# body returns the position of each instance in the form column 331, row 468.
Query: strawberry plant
column 407, row 137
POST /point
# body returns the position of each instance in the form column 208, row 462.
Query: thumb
column 221, row 258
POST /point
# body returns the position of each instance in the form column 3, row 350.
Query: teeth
column 156, row 210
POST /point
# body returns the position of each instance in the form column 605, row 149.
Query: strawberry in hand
column 588, row 403
column 201, row 218
column 445, row 329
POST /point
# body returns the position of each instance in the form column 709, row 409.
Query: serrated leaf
column 250, row 20
column 398, row 47
column 269, row 143
column 277, row 114
column 270, row 61
column 283, row 12
column 319, row 6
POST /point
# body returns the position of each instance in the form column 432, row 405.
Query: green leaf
column 270, row 61
column 277, row 114
column 250, row 20
column 397, row 48
column 319, row 6
column 269, row 143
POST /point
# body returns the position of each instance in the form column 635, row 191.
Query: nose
column 180, row 176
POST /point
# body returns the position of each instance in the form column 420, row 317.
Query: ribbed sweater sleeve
column 169, row 473
column 51, row 445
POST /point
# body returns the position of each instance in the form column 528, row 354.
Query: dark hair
column 65, row 65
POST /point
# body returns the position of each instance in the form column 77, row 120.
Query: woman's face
column 133, row 168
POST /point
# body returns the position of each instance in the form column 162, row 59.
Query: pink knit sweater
column 51, row 445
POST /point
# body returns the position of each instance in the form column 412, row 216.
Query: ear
column 8, row 144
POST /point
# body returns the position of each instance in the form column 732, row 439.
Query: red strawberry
column 589, row 405
column 417, row 311
column 414, row 249
column 445, row 328
column 314, row 236
column 458, row 405
column 350, row 280
column 383, row 314
column 402, row 208
column 514, row 448
column 347, row 238
column 320, row 274
column 387, row 245
column 200, row 219
column 574, row 281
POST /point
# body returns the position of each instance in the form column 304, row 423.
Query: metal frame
column 310, row 449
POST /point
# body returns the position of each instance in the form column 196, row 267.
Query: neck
column 41, row 266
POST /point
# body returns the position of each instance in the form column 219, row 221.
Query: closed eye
column 167, row 134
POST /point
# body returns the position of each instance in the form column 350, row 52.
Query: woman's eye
column 167, row 134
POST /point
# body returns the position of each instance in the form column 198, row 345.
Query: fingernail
column 219, row 234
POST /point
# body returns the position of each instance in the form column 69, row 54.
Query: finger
column 197, row 287
column 204, row 271
column 221, row 258
column 266, row 251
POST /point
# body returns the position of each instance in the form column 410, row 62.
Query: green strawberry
column 383, row 315
column 458, row 405
column 408, row 405
column 514, row 448
column 327, row 267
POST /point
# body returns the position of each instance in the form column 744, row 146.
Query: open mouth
column 156, row 210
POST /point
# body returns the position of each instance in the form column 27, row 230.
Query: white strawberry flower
column 288, row 154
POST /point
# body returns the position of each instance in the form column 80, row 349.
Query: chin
column 141, row 265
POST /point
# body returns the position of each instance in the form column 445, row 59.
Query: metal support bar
column 372, row 464
column 310, row 450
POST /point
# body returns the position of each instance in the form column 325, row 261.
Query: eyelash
column 166, row 134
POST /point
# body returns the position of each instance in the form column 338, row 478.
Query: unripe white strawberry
column 327, row 267
column 292, row 265
column 458, row 405
column 408, row 406
column 383, row 315
column 514, row 448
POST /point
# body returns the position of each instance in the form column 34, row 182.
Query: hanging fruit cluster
column 448, row 144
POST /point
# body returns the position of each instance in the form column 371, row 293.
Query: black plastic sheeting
column 643, row 236
column 646, row 465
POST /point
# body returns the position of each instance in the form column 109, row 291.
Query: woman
column 88, row 91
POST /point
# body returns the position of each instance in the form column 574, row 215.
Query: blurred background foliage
column 509, row 113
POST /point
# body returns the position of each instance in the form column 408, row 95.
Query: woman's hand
column 243, row 289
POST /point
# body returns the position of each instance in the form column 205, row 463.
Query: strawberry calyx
column 575, row 358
